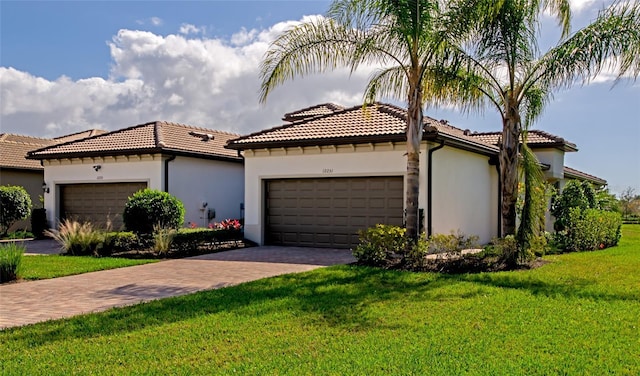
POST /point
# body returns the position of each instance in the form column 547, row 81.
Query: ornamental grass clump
column 10, row 261
column 78, row 238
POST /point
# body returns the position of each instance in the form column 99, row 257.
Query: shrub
column 502, row 247
column 39, row 222
column 417, row 255
column 380, row 244
column 575, row 194
column 591, row 229
column 451, row 243
column 148, row 208
column 121, row 241
column 77, row 238
column 15, row 205
column 10, row 261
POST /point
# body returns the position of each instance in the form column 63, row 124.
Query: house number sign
column 327, row 171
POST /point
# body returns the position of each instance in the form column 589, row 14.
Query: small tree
column 627, row 199
column 149, row 208
column 15, row 205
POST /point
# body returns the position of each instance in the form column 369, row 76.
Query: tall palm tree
column 397, row 35
column 497, row 43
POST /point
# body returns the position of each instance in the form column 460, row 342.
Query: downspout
column 166, row 172
column 430, row 189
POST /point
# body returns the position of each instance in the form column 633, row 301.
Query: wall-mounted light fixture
column 45, row 187
column 97, row 167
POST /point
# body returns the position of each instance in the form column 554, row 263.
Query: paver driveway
column 35, row 301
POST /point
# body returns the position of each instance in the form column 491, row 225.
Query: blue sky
column 69, row 66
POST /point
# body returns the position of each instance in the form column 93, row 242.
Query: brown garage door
column 329, row 212
column 97, row 203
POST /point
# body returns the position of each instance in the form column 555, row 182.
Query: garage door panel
column 97, row 203
column 339, row 208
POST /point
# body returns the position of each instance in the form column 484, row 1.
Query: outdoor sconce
column 45, row 187
column 97, row 167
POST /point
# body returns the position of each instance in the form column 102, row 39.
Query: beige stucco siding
column 465, row 194
column 219, row 184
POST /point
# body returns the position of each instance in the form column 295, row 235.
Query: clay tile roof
column 320, row 109
column 78, row 135
column 377, row 122
column 572, row 173
column 535, row 138
column 153, row 137
column 14, row 148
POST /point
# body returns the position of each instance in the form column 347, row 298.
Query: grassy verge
column 578, row 315
column 43, row 267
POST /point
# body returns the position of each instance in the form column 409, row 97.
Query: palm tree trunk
column 511, row 128
column 414, row 138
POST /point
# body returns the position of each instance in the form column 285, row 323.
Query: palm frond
column 613, row 38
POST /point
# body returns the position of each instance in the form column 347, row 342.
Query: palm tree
column 398, row 35
column 497, row 43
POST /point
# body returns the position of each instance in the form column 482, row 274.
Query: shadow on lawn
column 338, row 296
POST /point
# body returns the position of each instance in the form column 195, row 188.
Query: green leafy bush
column 380, row 244
column 591, row 229
column 39, row 222
column 451, row 243
column 20, row 234
column 575, row 194
column 15, row 205
column 78, row 239
column 10, row 261
column 149, row 207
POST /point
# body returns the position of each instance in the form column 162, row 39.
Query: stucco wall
column 465, row 194
column 31, row 181
column 342, row 161
column 113, row 170
column 219, row 184
column 555, row 159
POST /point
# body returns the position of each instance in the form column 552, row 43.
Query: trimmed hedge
column 380, row 244
column 187, row 240
column 592, row 229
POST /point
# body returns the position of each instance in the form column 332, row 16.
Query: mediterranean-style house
column 92, row 178
column 330, row 171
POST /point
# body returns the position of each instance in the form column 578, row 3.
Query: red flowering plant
column 229, row 229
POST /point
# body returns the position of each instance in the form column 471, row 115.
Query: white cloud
column 205, row 82
column 579, row 5
column 187, row 29
column 156, row 21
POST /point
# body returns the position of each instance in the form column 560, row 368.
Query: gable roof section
column 378, row 122
column 317, row 110
column 14, row 148
column 535, row 139
column 153, row 137
column 572, row 173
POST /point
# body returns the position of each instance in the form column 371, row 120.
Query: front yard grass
column 53, row 266
column 579, row 314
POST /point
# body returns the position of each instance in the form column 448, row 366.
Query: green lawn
column 579, row 314
column 52, row 266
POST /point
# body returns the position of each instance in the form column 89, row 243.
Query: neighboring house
column 332, row 171
column 91, row 179
column 16, row 169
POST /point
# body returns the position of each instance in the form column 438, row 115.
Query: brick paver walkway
column 30, row 302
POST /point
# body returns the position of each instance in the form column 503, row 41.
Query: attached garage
column 97, row 203
column 329, row 212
